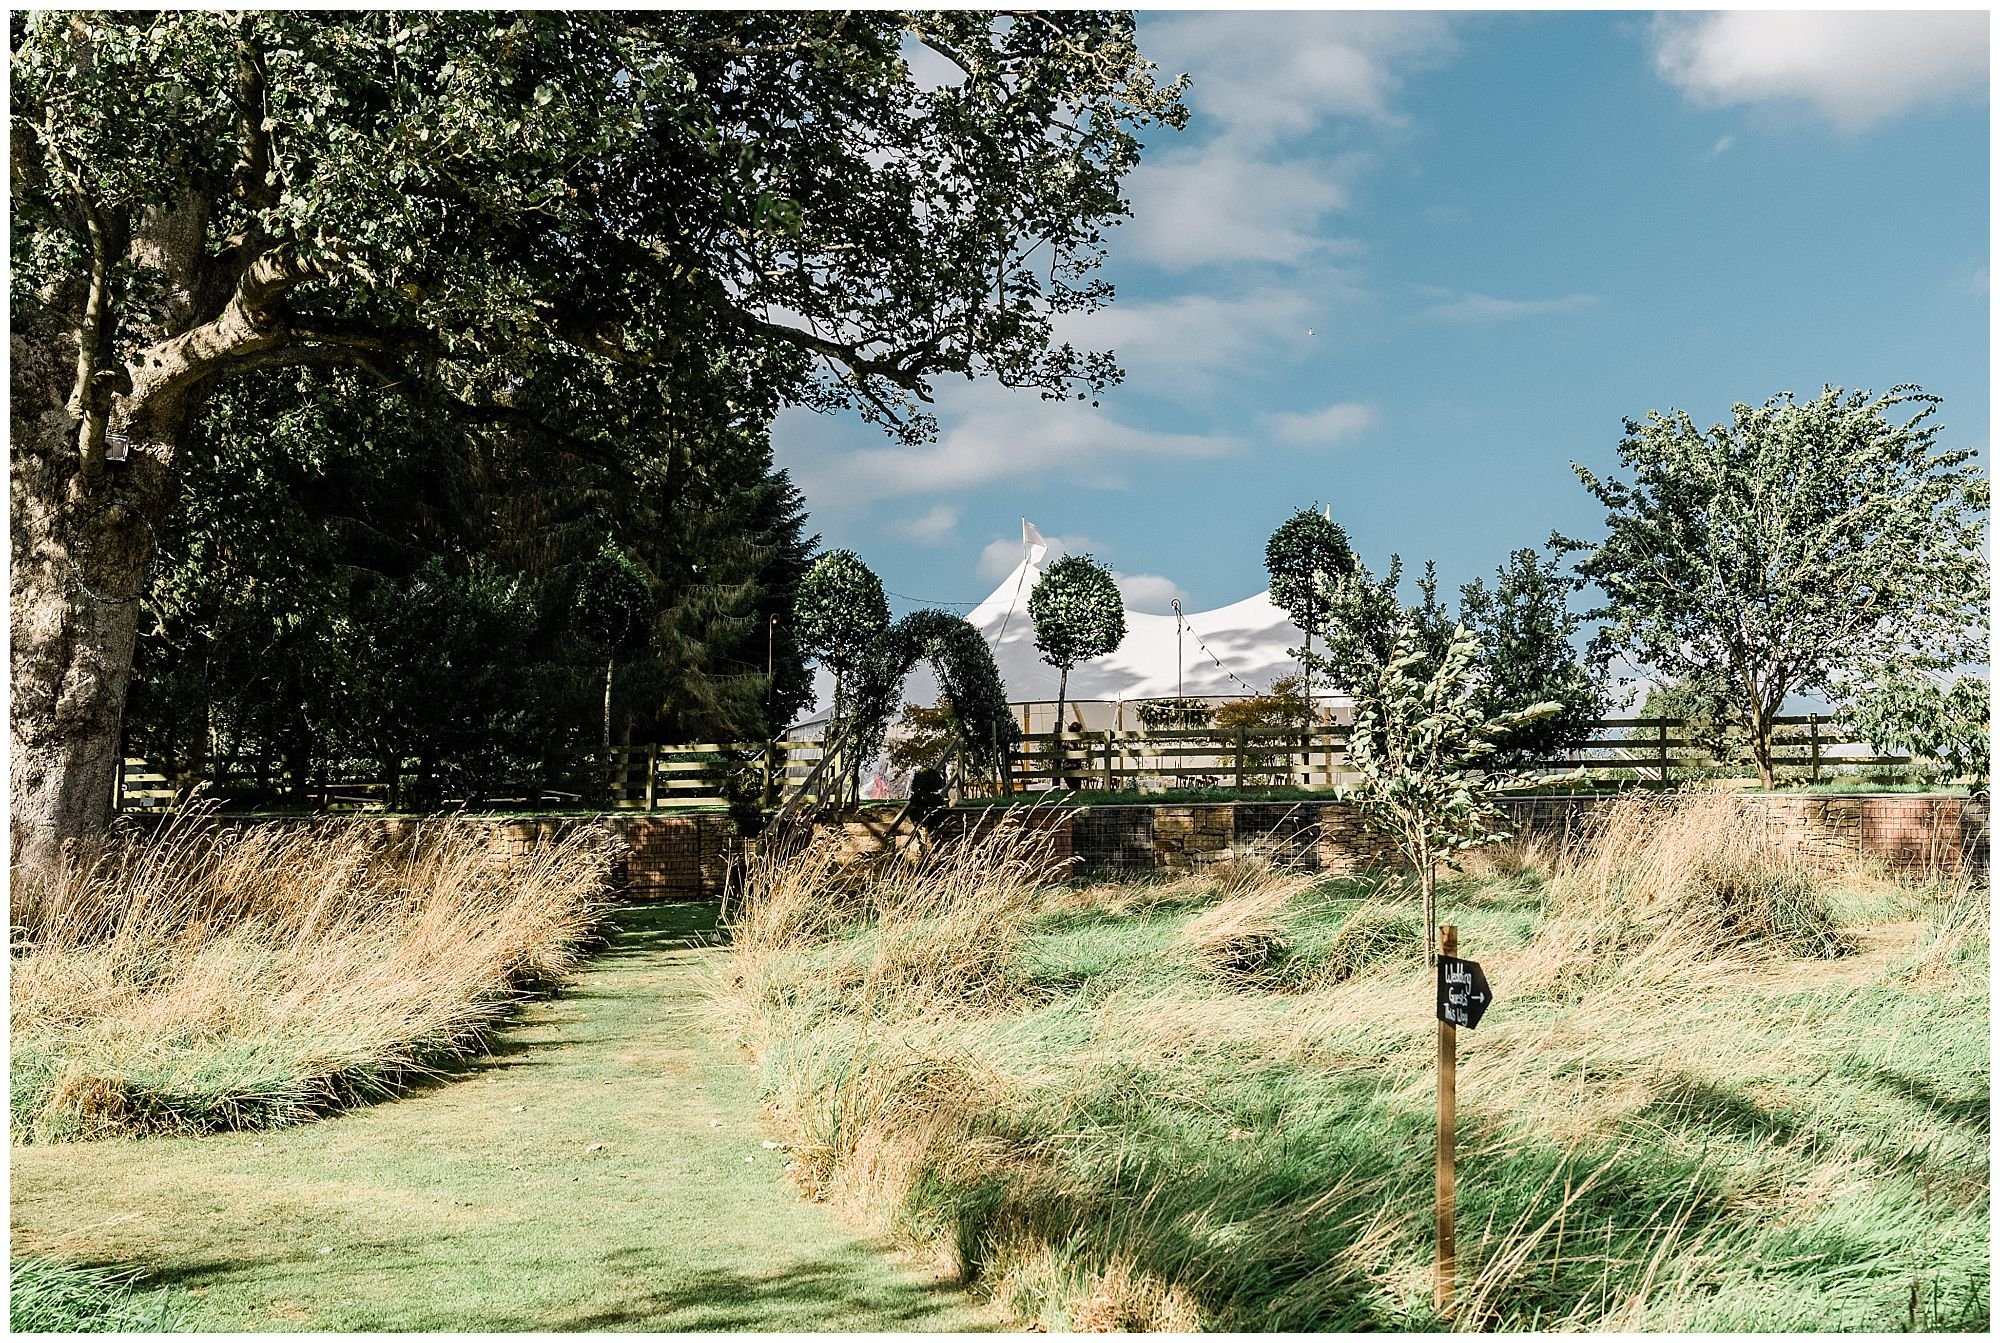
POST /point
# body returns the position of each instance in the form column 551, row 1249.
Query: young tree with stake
column 1418, row 735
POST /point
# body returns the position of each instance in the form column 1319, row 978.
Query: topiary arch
column 967, row 676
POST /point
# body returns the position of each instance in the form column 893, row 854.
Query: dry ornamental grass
column 1723, row 1089
column 204, row 976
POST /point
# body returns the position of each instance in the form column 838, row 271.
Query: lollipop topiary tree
column 1078, row 615
column 839, row 614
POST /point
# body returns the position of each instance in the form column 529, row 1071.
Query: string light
column 1218, row 661
column 928, row 601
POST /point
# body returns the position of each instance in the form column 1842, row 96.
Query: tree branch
column 250, row 182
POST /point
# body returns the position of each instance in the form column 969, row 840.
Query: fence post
column 1242, row 750
column 1108, row 783
column 652, row 769
column 1812, row 721
column 1663, row 753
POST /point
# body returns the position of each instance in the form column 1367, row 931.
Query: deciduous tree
column 1528, row 635
column 1419, row 735
column 1803, row 546
column 557, row 222
column 1921, row 713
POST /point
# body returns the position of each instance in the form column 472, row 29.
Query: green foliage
column 574, row 237
column 1418, row 733
column 1364, row 618
column 557, row 198
column 1077, row 611
column 614, row 603
column 839, row 611
column 968, row 679
column 308, row 504
column 1916, row 713
column 925, row 733
column 1306, row 558
column 1173, row 713
column 1284, row 708
column 1527, row 632
column 1708, row 722
column 1800, row 547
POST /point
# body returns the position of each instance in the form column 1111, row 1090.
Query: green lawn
column 605, row 1168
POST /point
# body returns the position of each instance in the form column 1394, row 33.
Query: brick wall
column 1913, row 831
column 688, row 857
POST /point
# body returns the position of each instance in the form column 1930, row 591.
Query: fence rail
column 795, row 771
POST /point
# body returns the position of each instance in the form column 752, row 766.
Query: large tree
column 1804, row 546
column 556, row 222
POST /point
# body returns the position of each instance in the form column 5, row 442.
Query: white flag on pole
column 1032, row 539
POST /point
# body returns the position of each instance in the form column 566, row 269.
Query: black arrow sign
column 1463, row 994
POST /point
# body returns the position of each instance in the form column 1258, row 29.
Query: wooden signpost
column 1462, row 999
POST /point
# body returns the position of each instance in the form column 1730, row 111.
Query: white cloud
column 928, row 529
column 1185, row 343
column 1321, row 428
column 1150, row 592
column 1271, row 76
column 1261, row 82
column 991, row 433
column 1722, row 145
column 1855, row 68
column 1486, row 308
column 1213, row 204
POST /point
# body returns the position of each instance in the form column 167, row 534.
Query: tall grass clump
column 51, row 1298
column 1208, row 1103
column 1702, row 867
column 202, row 976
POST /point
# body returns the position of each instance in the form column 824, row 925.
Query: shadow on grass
column 1966, row 1112
column 1296, row 1202
column 837, row 1292
column 669, row 925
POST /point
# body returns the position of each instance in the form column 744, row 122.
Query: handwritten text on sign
column 1463, row 994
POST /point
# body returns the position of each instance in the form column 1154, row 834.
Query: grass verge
column 202, row 977
column 1720, row 1090
column 44, row 1297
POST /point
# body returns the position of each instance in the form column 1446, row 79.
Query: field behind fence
column 1810, row 748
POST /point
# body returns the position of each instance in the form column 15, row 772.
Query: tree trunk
column 79, row 560
column 610, row 665
column 1760, row 747
column 1427, row 875
column 1061, row 765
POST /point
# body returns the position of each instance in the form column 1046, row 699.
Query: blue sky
column 1413, row 265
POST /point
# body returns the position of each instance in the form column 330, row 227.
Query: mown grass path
column 603, row 1169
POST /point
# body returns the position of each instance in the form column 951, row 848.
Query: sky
column 1413, row 265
